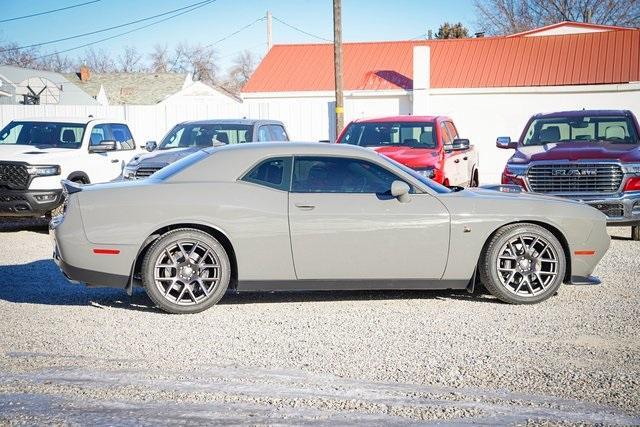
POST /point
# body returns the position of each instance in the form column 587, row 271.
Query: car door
column 463, row 164
column 125, row 147
column 344, row 224
column 102, row 166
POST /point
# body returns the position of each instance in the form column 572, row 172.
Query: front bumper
column 620, row 209
column 29, row 203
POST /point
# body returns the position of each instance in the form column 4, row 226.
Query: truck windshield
column 408, row 134
column 206, row 135
column 43, row 134
column 549, row 130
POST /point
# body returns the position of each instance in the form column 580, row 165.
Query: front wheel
column 523, row 264
column 635, row 232
column 186, row 271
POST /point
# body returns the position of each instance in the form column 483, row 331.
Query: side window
column 122, row 135
column 278, row 133
column 99, row 133
column 263, row 134
column 446, row 138
column 453, row 132
column 340, row 175
column 273, row 173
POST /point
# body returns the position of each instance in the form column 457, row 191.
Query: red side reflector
column 106, row 251
column 585, row 252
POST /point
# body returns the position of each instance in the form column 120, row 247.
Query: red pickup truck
column 428, row 144
column 590, row 156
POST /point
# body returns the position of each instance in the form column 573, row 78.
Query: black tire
column 635, row 232
column 475, row 181
column 508, row 283
column 181, row 292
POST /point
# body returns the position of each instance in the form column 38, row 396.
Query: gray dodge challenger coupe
column 309, row 216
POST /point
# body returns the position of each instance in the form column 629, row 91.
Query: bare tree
column 11, row 55
column 159, row 59
column 241, row 70
column 129, row 60
column 197, row 59
column 57, row 63
column 512, row 16
column 98, row 61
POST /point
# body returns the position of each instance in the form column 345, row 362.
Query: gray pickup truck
column 188, row 137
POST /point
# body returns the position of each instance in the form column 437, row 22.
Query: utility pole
column 337, row 64
column 269, row 34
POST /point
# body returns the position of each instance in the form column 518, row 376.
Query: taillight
column 633, row 184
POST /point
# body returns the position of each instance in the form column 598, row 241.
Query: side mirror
column 460, row 144
column 151, row 145
column 400, row 190
column 505, row 142
column 103, row 147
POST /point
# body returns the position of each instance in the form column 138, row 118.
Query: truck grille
column 575, row 178
column 14, row 176
column 146, row 171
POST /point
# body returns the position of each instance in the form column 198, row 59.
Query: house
column 148, row 88
column 32, row 87
column 490, row 86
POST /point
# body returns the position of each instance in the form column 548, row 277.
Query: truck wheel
column 522, row 264
column 186, row 271
column 475, row 182
column 635, row 232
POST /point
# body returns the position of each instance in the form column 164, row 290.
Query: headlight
column 134, row 162
column 427, row 172
column 515, row 170
column 632, row 168
column 43, row 170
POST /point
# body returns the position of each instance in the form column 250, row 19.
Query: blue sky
column 363, row 20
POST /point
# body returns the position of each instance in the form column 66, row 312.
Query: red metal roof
column 574, row 59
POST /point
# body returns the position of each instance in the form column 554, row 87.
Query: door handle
column 456, row 161
column 115, row 161
column 304, row 207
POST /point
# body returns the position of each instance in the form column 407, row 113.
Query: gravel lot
column 97, row 356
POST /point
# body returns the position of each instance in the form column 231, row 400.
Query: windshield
column 411, row 134
column 614, row 129
column 43, row 134
column 438, row 188
column 206, row 135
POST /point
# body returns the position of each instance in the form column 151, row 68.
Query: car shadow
column 41, row 282
column 38, row 225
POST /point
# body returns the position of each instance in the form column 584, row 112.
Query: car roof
column 580, row 113
column 401, row 119
column 259, row 149
column 231, row 122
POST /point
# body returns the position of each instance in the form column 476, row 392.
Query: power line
column 202, row 3
column 250, row 48
column 48, row 11
column 262, row 18
column 300, row 30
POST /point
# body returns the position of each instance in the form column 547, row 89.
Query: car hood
column 411, row 156
column 522, row 195
column 164, row 157
column 34, row 155
column 572, row 151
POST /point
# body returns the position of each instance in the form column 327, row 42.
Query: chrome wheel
column 187, row 272
column 527, row 265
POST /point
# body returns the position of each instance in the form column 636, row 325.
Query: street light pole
column 337, row 62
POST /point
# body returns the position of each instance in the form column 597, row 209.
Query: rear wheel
column 635, row 232
column 186, row 271
column 523, row 264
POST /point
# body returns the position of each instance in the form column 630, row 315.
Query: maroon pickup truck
column 590, row 156
column 428, row 144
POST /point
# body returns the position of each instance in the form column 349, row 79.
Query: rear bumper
column 29, row 203
column 620, row 209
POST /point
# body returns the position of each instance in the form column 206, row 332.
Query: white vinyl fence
column 305, row 121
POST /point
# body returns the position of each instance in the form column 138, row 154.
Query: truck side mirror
column 104, row 146
column 151, row 145
column 460, row 144
column 505, row 142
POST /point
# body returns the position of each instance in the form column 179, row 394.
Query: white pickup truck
column 36, row 154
